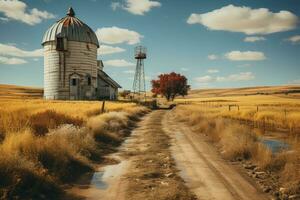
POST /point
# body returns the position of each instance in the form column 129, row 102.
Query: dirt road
column 146, row 169
column 205, row 172
column 164, row 159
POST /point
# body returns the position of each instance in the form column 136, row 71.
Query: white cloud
column 129, row 72
column 16, row 10
column 204, row 85
column 116, row 35
column 11, row 61
column 212, row 71
column 10, row 50
column 243, row 76
column 115, row 5
column 295, row 82
column 136, row 7
column 105, row 49
column 4, row 19
column 254, row 39
column 294, row 39
column 246, row 55
column 245, row 65
column 205, row 79
column 212, row 57
column 246, row 20
column 184, row 69
column 118, row 63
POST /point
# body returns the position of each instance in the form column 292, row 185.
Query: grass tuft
column 49, row 119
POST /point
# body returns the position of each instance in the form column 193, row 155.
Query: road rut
column 203, row 169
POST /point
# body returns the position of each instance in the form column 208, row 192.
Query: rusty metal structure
column 72, row 28
column 139, row 85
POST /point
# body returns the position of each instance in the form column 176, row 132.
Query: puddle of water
column 97, row 181
column 275, row 145
column 106, row 180
column 273, row 140
column 100, row 179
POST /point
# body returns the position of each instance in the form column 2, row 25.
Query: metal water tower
column 139, row 86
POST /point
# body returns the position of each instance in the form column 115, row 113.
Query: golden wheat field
column 274, row 111
column 23, row 108
column 15, row 114
column 46, row 143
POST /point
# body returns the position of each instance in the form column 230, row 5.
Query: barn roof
column 104, row 76
column 71, row 28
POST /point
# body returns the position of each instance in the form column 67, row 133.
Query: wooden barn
column 71, row 68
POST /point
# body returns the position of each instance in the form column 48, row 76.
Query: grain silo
column 71, row 68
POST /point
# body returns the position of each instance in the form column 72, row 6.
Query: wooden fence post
column 103, row 107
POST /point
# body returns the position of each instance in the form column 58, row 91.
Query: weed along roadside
column 274, row 166
column 38, row 158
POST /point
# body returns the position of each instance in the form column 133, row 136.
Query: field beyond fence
column 264, row 111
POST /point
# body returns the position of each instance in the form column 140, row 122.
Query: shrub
column 49, row 119
column 106, row 127
column 20, row 175
column 262, row 156
column 237, row 142
column 64, row 152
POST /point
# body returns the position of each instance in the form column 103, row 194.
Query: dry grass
column 17, row 115
column 289, row 91
column 19, row 92
column 237, row 142
column 112, row 127
column 274, row 112
column 46, row 143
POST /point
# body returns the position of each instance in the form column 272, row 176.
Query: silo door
column 74, row 88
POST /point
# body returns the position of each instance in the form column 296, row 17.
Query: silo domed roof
column 71, row 28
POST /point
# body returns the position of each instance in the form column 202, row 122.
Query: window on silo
column 60, row 44
column 89, row 80
column 74, row 82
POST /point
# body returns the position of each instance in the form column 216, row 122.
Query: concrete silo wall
column 51, row 71
column 80, row 60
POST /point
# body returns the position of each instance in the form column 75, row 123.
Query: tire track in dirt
column 153, row 174
column 208, row 176
column 146, row 169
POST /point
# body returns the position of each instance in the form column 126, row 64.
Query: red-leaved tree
column 170, row 85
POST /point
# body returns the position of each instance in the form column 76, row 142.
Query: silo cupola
column 72, row 28
column 71, row 12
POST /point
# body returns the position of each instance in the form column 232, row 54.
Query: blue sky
column 214, row 43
